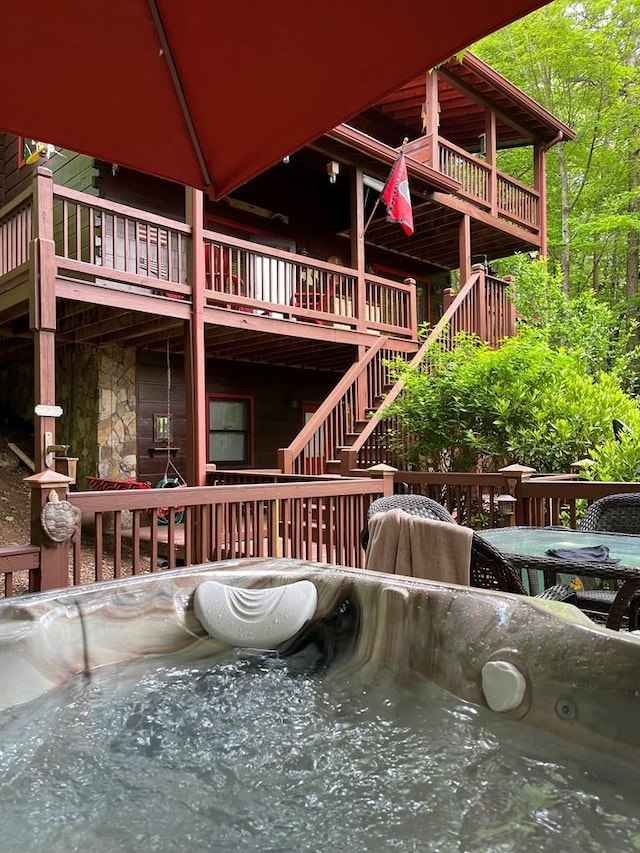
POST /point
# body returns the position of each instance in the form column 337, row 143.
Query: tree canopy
column 580, row 61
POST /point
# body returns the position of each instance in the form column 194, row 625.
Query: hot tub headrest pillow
column 254, row 618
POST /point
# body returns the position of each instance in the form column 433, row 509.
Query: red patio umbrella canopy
column 210, row 93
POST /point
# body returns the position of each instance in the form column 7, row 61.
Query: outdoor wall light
column 333, row 170
column 506, row 505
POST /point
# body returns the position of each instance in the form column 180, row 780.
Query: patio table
column 526, row 548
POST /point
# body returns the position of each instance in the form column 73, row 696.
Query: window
column 230, row 430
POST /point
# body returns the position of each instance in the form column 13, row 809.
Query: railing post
column 285, row 460
column 448, row 295
column 194, row 344
column 348, row 460
column 514, row 476
column 481, row 329
column 412, row 319
column 357, row 247
column 510, row 319
column 54, row 556
column 362, row 394
column 387, row 473
column 42, row 309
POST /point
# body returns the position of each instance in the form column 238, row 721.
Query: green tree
column 580, row 61
column 584, row 324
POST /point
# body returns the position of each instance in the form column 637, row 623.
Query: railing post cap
column 516, row 469
column 477, row 267
column 382, row 468
column 47, row 479
column 582, row 463
column 44, row 172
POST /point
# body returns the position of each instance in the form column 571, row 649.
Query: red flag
column 396, row 196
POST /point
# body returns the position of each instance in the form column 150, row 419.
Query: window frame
column 247, row 399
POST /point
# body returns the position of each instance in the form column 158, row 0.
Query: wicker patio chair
column 611, row 514
column 489, row 567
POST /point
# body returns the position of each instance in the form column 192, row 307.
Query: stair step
column 360, row 425
column 332, row 466
column 350, row 437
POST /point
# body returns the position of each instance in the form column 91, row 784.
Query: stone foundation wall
column 97, row 391
column 117, row 432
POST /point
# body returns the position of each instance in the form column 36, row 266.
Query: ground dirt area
column 15, row 525
column 14, row 493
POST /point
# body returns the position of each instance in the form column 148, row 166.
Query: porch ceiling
column 97, row 325
column 436, row 216
column 436, row 237
column 466, row 88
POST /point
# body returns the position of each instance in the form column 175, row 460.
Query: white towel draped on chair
column 404, row 544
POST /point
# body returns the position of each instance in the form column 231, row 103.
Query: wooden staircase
column 348, row 432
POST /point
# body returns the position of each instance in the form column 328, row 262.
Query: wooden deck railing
column 336, row 419
column 517, row 202
column 490, row 188
column 315, row 519
column 472, row 174
column 319, row 520
column 132, row 249
column 15, row 235
column 245, row 276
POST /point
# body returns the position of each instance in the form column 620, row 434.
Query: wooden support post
column 195, row 362
column 491, row 156
column 387, row 473
column 481, row 323
column 362, row 394
column 54, row 556
column 42, row 310
column 540, row 185
column 464, row 248
column 357, row 246
column 510, row 319
column 448, row 295
column 412, row 319
column 432, row 117
column 514, row 476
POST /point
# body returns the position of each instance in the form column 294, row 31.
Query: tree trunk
column 633, row 237
column 565, row 208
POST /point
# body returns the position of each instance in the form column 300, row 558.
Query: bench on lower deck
column 104, row 484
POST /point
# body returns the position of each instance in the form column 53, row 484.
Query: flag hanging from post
column 396, row 196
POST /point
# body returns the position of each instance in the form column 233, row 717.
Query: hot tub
column 405, row 714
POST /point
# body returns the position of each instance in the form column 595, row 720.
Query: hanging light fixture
column 333, row 170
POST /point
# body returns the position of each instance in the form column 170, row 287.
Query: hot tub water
column 250, row 752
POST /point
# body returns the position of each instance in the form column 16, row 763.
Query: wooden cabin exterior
column 176, row 333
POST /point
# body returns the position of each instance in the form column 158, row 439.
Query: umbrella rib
column 177, row 85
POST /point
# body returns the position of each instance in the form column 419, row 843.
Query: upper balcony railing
column 110, row 245
column 243, row 276
column 15, row 235
column 508, row 198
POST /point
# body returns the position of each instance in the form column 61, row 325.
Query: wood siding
column 145, row 192
column 279, row 395
column 69, row 169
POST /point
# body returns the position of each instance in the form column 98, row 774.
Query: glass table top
column 535, row 541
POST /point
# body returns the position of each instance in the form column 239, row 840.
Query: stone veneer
column 96, row 388
column 97, row 391
column 117, row 430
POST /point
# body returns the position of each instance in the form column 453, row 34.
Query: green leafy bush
column 527, row 402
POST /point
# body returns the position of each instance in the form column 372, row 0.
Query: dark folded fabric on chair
column 590, row 554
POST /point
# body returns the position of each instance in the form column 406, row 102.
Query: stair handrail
column 437, row 330
column 287, row 456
